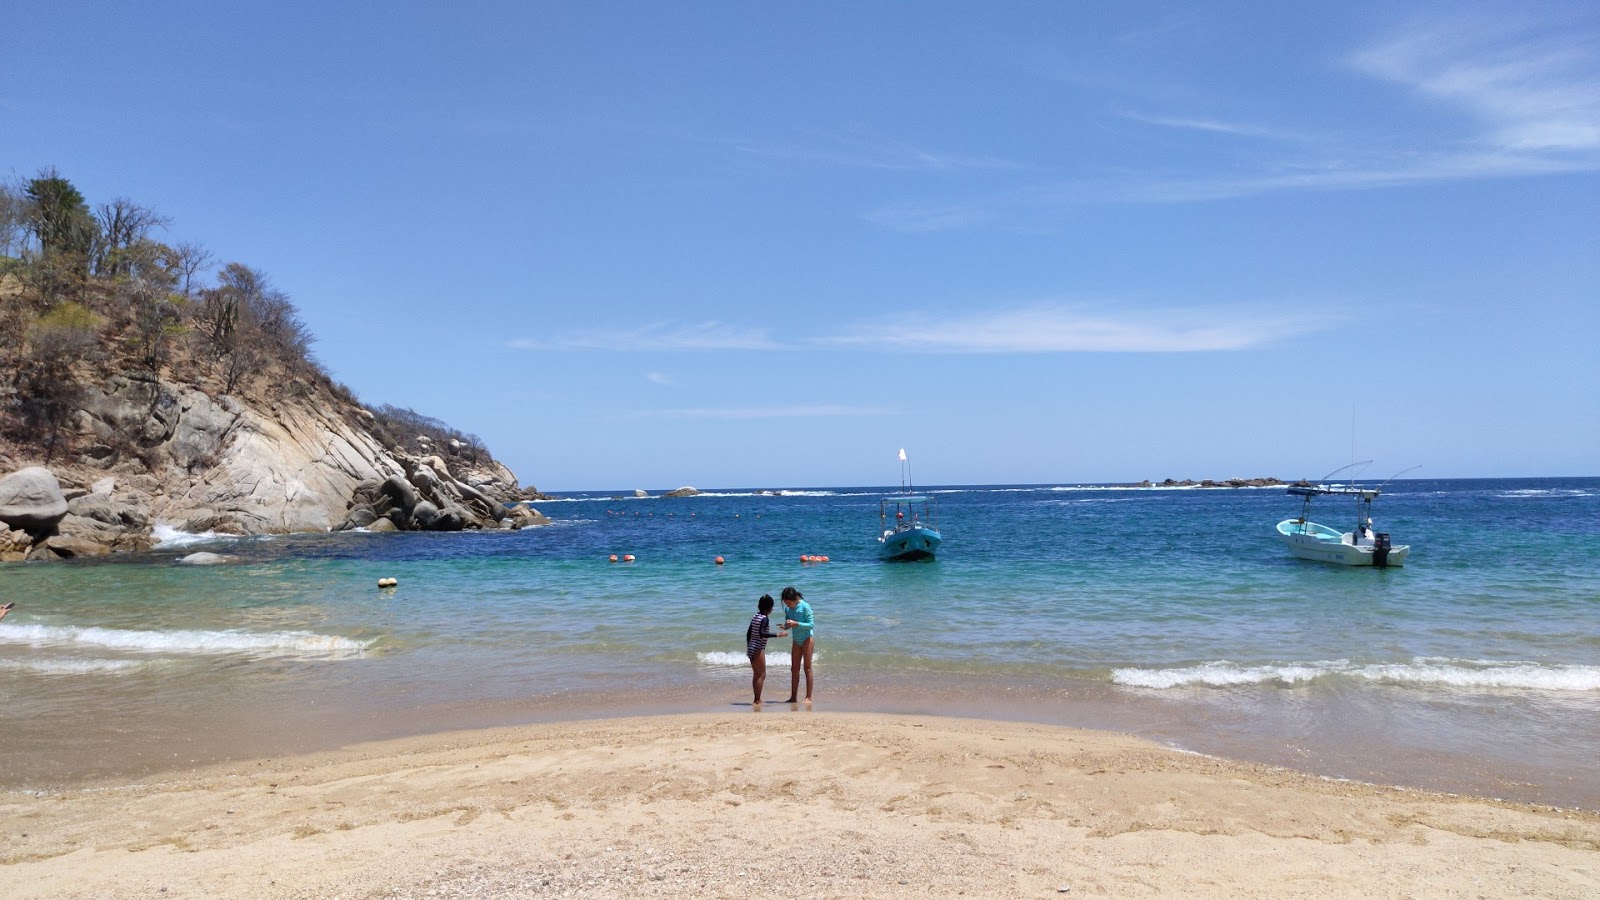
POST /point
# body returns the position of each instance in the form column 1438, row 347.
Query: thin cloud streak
column 657, row 336
column 1533, row 104
column 1213, row 126
column 869, row 152
column 1051, row 328
column 800, row 411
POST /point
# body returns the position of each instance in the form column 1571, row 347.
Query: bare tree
column 13, row 219
column 123, row 223
column 191, row 258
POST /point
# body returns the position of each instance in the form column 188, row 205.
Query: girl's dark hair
column 765, row 603
column 790, row 593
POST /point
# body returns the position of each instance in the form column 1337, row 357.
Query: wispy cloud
column 1524, row 99
column 658, row 378
column 866, row 151
column 1214, row 126
column 798, row 411
column 1076, row 328
column 656, row 336
column 1533, row 93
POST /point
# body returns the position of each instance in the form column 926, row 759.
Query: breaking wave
column 1421, row 672
column 273, row 643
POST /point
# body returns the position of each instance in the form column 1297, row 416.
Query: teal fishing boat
column 910, row 533
column 1360, row 546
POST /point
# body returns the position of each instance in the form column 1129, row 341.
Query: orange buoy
column 820, row 558
column 805, row 558
column 628, row 558
column 613, row 557
column 719, row 560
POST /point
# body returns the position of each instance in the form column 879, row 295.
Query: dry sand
column 779, row 803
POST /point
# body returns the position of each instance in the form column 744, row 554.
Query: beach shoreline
column 112, row 751
column 733, row 803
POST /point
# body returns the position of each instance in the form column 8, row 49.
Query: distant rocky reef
column 1225, row 483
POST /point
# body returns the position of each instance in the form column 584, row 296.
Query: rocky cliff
column 146, row 452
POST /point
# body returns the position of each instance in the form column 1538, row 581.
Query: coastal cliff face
column 148, row 452
column 147, row 384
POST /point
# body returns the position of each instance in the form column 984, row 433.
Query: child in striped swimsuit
column 755, row 644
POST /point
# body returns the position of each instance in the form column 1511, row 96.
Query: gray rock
column 400, row 491
column 99, row 507
column 451, row 518
column 640, row 493
column 202, row 559
column 382, row 524
column 423, row 515
column 684, row 491
column 522, row 515
column 31, row 500
column 360, row 517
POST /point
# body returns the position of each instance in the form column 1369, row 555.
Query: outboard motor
column 1380, row 550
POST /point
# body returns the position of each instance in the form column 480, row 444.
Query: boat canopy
column 905, row 499
column 1309, row 492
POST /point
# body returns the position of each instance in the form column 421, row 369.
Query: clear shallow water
column 1175, row 613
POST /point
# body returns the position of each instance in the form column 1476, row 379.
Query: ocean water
column 1173, row 613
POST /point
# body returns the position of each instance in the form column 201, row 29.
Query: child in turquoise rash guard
column 799, row 623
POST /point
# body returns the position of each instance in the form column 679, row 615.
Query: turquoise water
column 1172, row 612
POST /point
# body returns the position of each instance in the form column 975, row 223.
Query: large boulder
column 423, row 515
column 31, row 500
column 684, row 491
column 66, row 546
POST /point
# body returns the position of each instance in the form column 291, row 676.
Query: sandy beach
column 816, row 804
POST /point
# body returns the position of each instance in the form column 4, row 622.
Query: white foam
column 1481, row 674
column 279, row 643
column 168, row 536
column 71, row 666
column 729, row 659
column 1422, row 672
column 1220, row 674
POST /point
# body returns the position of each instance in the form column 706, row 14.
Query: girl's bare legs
column 758, row 677
column 800, row 655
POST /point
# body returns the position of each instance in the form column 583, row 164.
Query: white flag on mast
column 902, row 454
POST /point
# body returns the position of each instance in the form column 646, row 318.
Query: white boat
column 1361, row 547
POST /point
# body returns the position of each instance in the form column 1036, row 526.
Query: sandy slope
column 821, row 804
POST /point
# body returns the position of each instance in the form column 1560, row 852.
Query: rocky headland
column 137, row 391
column 147, row 451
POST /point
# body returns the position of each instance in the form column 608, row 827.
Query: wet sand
column 1333, row 737
column 737, row 803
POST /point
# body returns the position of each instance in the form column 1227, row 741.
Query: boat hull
column 912, row 543
column 1319, row 543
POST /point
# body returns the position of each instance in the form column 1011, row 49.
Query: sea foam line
column 1425, row 672
column 730, row 659
column 296, row 643
column 71, row 666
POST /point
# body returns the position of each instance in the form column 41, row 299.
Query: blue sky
column 768, row 245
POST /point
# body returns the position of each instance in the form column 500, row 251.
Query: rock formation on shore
column 149, row 451
column 135, row 392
